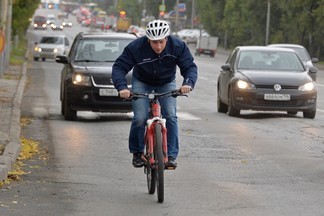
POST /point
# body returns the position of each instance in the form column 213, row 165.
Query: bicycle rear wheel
column 159, row 158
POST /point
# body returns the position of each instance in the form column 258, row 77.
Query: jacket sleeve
column 124, row 63
column 188, row 67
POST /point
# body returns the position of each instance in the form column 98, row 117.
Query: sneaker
column 137, row 160
column 172, row 164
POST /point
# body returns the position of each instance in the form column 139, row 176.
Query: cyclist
column 154, row 59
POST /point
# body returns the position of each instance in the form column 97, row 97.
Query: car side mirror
column 312, row 70
column 226, row 67
column 62, row 59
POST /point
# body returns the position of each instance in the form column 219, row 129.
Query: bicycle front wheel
column 159, row 158
column 150, row 177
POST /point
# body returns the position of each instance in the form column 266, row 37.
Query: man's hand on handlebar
column 185, row 89
column 125, row 93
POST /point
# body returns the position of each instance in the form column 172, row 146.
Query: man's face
column 158, row 45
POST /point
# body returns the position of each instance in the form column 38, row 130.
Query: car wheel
column 62, row 107
column 309, row 115
column 221, row 107
column 35, row 58
column 291, row 113
column 232, row 111
column 69, row 114
column 62, row 99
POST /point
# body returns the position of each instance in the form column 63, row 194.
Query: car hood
column 276, row 77
column 93, row 67
column 50, row 45
column 97, row 69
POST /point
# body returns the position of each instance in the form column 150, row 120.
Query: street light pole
column 192, row 13
column 177, row 15
column 268, row 24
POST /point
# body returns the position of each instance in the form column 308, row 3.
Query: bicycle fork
column 150, row 139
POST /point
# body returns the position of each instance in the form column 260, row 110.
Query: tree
column 241, row 22
column 25, row 9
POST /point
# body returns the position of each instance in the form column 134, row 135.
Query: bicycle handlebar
column 153, row 95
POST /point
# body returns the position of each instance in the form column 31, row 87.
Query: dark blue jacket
column 154, row 69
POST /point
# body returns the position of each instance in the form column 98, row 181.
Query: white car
column 51, row 19
column 67, row 23
column 51, row 46
column 191, row 35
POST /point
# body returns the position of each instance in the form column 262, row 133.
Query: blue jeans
column 141, row 114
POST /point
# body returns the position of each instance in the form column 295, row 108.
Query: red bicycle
column 156, row 150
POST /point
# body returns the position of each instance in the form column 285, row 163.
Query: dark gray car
column 86, row 83
column 266, row 79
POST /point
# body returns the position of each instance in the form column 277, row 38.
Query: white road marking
column 187, row 116
column 205, row 78
column 321, row 85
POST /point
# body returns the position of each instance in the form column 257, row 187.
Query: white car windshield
column 52, row 40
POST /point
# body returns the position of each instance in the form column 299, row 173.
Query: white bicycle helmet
column 157, row 30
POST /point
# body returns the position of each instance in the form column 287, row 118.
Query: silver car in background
column 51, row 46
column 301, row 52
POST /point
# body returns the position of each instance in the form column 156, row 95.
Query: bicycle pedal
column 170, row 168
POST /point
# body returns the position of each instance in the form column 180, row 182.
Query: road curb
column 12, row 149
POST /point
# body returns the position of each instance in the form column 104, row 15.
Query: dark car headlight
column 240, row 84
column 310, row 86
column 80, row 79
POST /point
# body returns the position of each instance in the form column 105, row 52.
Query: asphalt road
column 264, row 163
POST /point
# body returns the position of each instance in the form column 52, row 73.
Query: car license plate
column 280, row 97
column 108, row 92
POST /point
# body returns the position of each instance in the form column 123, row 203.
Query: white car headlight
column 244, row 85
column 310, row 86
column 79, row 79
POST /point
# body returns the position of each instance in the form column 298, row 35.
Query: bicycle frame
column 155, row 118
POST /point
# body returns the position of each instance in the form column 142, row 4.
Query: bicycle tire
column 159, row 158
column 150, row 177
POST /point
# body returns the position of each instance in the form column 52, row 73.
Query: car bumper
column 40, row 28
column 299, row 101
column 88, row 99
column 48, row 55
